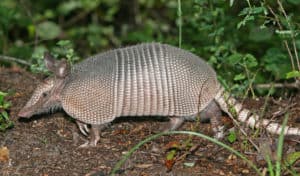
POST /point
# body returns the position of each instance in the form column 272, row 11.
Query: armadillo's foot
column 175, row 123
column 94, row 137
column 83, row 127
column 218, row 132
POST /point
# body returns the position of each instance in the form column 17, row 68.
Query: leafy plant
column 5, row 122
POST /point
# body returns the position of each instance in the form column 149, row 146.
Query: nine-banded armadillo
column 142, row 80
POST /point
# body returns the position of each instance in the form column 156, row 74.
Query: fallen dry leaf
column 4, row 154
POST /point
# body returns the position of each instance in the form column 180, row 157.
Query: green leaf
column 3, row 94
column 48, row 30
column 68, row 6
column 284, row 34
column 64, row 43
column 250, row 61
column 4, row 114
column 239, row 77
column 6, row 105
column 235, row 58
column 293, row 74
column 232, row 137
column 245, row 20
column 294, row 2
column 31, row 30
column 257, row 10
column 2, row 102
column 6, row 125
column 292, row 158
column 171, row 154
column 245, row 11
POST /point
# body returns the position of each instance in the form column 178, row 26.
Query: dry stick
column 283, row 111
column 12, row 59
column 293, row 39
column 295, row 84
column 284, row 41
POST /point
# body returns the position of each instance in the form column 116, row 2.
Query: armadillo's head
column 46, row 96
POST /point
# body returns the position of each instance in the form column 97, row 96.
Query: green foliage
column 5, row 122
column 248, row 39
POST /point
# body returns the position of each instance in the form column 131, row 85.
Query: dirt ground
column 48, row 144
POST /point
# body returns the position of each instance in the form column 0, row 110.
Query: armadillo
column 149, row 79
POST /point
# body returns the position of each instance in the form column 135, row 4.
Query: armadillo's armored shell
column 146, row 79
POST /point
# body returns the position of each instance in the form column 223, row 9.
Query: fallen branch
column 295, row 84
column 17, row 60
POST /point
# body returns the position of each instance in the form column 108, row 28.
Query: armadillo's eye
column 44, row 94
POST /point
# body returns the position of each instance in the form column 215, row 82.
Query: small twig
column 283, row 111
column 295, row 84
column 13, row 59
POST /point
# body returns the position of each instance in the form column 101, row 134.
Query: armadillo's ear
column 62, row 69
column 49, row 61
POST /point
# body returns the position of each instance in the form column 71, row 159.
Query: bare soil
column 48, row 144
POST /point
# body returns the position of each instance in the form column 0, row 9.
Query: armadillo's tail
column 235, row 110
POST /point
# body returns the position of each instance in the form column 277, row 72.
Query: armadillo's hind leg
column 94, row 137
column 175, row 123
column 214, row 112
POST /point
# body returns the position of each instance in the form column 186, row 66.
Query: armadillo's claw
column 85, row 145
column 86, row 128
column 94, row 137
column 83, row 127
column 219, row 132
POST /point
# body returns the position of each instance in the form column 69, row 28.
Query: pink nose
column 23, row 114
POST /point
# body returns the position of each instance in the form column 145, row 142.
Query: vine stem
column 179, row 13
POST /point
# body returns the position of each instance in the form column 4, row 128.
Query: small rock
column 245, row 171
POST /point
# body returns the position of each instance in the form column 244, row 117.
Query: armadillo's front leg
column 83, row 127
column 94, row 137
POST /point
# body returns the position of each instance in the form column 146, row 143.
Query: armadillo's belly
column 155, row 79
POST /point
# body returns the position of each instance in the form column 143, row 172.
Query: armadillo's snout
column 24, row 113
